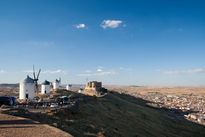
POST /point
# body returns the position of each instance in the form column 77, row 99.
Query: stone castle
column 94, row 88
column 93, row 85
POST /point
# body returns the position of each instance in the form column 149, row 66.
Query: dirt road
column 11, row 126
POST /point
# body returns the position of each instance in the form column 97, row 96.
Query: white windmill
column 56, row 84
column 27, row 88
column 35, row 78
column 68, row 87
column 45, row 87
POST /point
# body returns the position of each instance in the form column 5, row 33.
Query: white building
column 68, row 87
column 80, row 90
column 56, row 84
column 45, row 87
column 27, row 89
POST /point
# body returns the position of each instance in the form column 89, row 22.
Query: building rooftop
column 57, row 81
column 46, row 82
column 28, row 80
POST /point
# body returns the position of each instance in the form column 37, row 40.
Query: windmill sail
column 36, row 77
column 34, row 72
column 38, row 73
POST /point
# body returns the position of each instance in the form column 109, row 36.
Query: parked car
column 53, row 105
column 6, row 100
column 62, row 100
column 15, row 102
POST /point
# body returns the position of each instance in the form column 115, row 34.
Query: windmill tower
column 35, row 78
column 27, row 88
column 45, row 87
column 68, row 87
column 56, row 84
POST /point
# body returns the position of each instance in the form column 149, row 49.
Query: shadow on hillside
column 82, row 120
column 169, row 113
column 10, row 122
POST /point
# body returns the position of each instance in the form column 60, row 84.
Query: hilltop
column 117, row 115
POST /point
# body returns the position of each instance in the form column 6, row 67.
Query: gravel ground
column 11, row 126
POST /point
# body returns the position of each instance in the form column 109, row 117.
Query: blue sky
column 118, row 42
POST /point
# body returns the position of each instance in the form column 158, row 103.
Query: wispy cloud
column 88, row 71
column 49, row 71
column 125, row 69
column 54, row 71
column 110, row 23
column 80, row 26
column 28, row 71
column 99, row 70
column 185, row 71
column 2, row 71
column 97, row 74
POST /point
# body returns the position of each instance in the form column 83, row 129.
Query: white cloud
column 99, row 70
column 49, row 71
column 185, row 71
column 105, row 73
column 125, row 69
column 2, row 71
column 54, row 71
column 28, row 71
column 97, row 74
column 88, row 71
column 110, row 23
column 79, row 26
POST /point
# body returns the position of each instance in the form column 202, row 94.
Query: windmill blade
column 36, row 86
column 34, row 76
column 38, row 73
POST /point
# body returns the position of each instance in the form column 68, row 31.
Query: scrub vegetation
column 116, row 115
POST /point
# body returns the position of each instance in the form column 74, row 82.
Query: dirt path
column 11, row 126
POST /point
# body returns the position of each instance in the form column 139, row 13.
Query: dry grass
column 118, row 115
